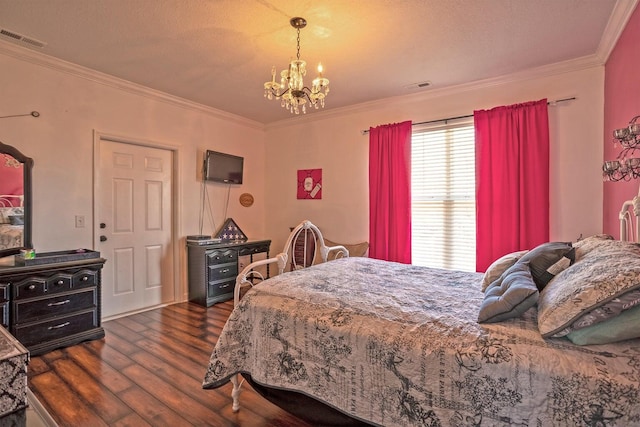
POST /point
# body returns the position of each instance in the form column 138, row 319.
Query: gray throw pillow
column 509, row 296
column 547, row 260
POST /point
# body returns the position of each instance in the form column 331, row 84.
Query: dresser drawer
column 219, row 288
column 4, row 291
column 30, row 288
column 4, row 314
column 222, row 256
column 222, row 271
column 254, row 249
column 59, row 283
column 34, row 309
column 48, row 330
column 84, row 278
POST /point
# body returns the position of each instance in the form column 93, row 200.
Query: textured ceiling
column 220, row 52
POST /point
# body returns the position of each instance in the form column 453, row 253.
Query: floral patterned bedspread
column 11, row 236
column 399, row 345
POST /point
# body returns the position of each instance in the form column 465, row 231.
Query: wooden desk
column 212, row 269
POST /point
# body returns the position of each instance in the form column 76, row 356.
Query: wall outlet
column 79, row 221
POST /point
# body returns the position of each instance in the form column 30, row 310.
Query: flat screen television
column 222, row 167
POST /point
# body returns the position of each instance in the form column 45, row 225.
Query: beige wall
column 333, row 141
column 73, row 106
column 61, row 143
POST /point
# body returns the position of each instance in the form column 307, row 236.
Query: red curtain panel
column 512, row 179
column 390, row 192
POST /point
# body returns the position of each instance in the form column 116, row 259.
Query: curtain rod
column 364, row 132
column 33, row 113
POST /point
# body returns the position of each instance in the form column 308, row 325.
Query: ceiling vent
column 19, row 37
column 418, row 86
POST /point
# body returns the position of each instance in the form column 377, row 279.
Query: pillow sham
column 625, row 326
column 604, row 312
column 509, row 296
column 586, row 245
column 499, row 266
column 547, row 260
column 608, row 271
column 16, row 219
column 6, row 212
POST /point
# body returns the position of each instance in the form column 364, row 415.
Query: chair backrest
column 305, row 246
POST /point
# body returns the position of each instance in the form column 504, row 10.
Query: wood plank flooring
column 147, row 371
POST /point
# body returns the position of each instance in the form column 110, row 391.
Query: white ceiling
column 219, row 53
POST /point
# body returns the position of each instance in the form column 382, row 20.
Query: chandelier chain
column 298, row 42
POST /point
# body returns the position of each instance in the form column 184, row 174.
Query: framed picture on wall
column 310, row 184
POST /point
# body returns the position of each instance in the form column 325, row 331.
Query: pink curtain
column 512, row 180
column 390, row 192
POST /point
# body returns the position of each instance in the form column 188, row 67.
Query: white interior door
column 134, row 217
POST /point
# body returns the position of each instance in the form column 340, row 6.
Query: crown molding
column 618, row 20
column 41, row 59
column 620, row 15
column 568, row 66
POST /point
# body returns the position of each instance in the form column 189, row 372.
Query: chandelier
column 291, row 91
column 625, row 168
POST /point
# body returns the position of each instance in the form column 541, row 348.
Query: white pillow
column 499, row 266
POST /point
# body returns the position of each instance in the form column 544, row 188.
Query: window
column 443, row 209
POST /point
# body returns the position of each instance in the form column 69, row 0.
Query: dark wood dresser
column 52, row 305
column 213, row 268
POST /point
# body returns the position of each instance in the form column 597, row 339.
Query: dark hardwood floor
column 147, row 371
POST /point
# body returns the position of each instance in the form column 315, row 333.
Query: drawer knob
column 224, row 270
column 31, row 287
column 62, row 325
column 53, row 304
column 85, row 278
column 60, row 282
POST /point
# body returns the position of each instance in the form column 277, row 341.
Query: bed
column 398, row 345
column 11, row 221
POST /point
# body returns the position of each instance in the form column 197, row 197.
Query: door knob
column 103, row 238
column 103, row 225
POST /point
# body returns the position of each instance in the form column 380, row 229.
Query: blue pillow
column 513, row 293
column 624, row 326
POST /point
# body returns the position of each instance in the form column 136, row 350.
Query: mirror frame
column 27, row 163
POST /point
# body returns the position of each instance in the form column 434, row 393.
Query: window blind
column 443, row 196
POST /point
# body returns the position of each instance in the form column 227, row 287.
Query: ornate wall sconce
column 624, row 168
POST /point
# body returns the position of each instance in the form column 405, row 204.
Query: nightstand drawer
column 37, row 332
column 254, row 249
column 220, row 288
column 30, row 310
column 222, row 256
column 222, row 271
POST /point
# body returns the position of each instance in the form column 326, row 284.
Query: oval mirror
column 15, row 201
